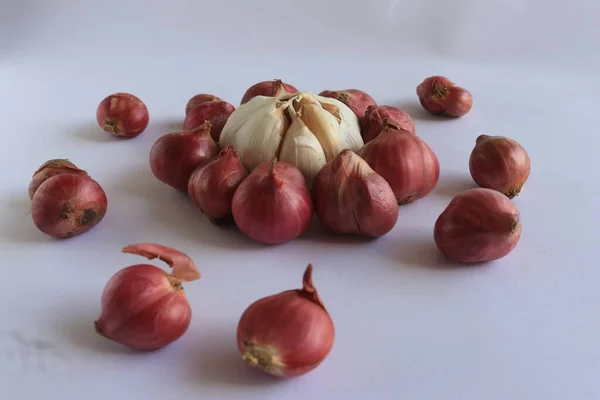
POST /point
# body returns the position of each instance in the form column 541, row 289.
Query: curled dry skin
column 287, row 334
column 302, row 129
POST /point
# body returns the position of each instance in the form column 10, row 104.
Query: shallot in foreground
column 478, row 225
column 287, row 334
column 51, row 168
column 499, row 163
column 143, row 306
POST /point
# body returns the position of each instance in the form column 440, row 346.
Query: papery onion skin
column 68, row 205
column 377, row 118
column 478, row 225
column 212, row 186
column 123, row 115
column 405, row 161
column 51, row 168
column 199, row 99
column 287, row 334
column 356, row 99
column 144, row 307
column 273, row 204
column 274, row 88
column 440, row 96
column 175, row 156
column 499, row 163
column 350, row 198
column 217, row 112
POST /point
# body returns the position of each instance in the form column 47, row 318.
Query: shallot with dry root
column 478, row 225
column 440, row 96
column 274, row 88
column 350, row 198
column 357, row 100
column 499, row 163
column 287, row 334
column 175, row 156
column 143, row 306
column 377, row 118
column 216, row 112
column 273, row 204
column 123, row 115
column 405, row 161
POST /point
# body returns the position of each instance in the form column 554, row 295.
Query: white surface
column 525, row 327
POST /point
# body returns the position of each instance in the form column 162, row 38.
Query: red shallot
column 143, row 306
column 199, row 99
column 273, row 205
column 357, row 100
column 499, row 163
column 51, row 168
column 175, row 156
column 377, row 118
column 440, row 96
column 67, row 205
column 405, row 161
column 287, row 334
column 350, row 198
column 478, row 225
column 123, row 115
column 272, row 88
column 217, row 112
column 212, row 186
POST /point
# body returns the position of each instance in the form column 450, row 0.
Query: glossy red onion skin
column 68, row 205
column 295, row 325
column 51, row 168
column 272, row 88
column 212, row 186
column 123, row 115
column 357, row 100
column 499, row 163
column 350, row 198
column 440, row 96
column 273, row 204
column 175, row 156
column 199, row 99
column 478, row 225
column 377, row 118
column 217, row 112
column 405, row 161
column 143, row 309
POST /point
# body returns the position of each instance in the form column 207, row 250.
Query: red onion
column 440, row 96
column 51, row 168
column 199, row 99
column 217, row 112
column 350, row 198
column 176, row 155
column 499, row 163
column 67, row 205
column 377, row 118
column 144, row 307
column 405, row 161
column 287, row 334
column 273, row 205
column 212, row 186
column 272, row 88
column 122, row 114
column 357, row 100
column 478, row 225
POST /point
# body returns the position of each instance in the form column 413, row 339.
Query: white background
column 409, row 325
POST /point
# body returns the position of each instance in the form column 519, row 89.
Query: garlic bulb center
column 302, row 129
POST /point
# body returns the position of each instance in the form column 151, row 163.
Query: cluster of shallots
column 145, row 308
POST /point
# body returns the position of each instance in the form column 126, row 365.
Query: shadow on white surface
column 90, row 131
column 453, row 184
column 20, row 227
column 416, row 110
column 420, row 251
column 216, row 361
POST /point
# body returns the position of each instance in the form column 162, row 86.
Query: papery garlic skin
column 258, row 131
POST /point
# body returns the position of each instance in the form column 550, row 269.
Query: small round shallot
column 499, row 163
column 478, row 225
column 377, row 118
column 123, row 115
column 440, row 96
column 274, row 88
column 199, row 99
column 51, row 168
column 216, row 112
column 357, row 100
column 67, row 205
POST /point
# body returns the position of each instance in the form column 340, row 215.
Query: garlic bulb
column 302, row 129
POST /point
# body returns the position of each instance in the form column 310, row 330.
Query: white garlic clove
column 301, row 148
column 255, row 130
column 349, row 127
column 325, row 127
